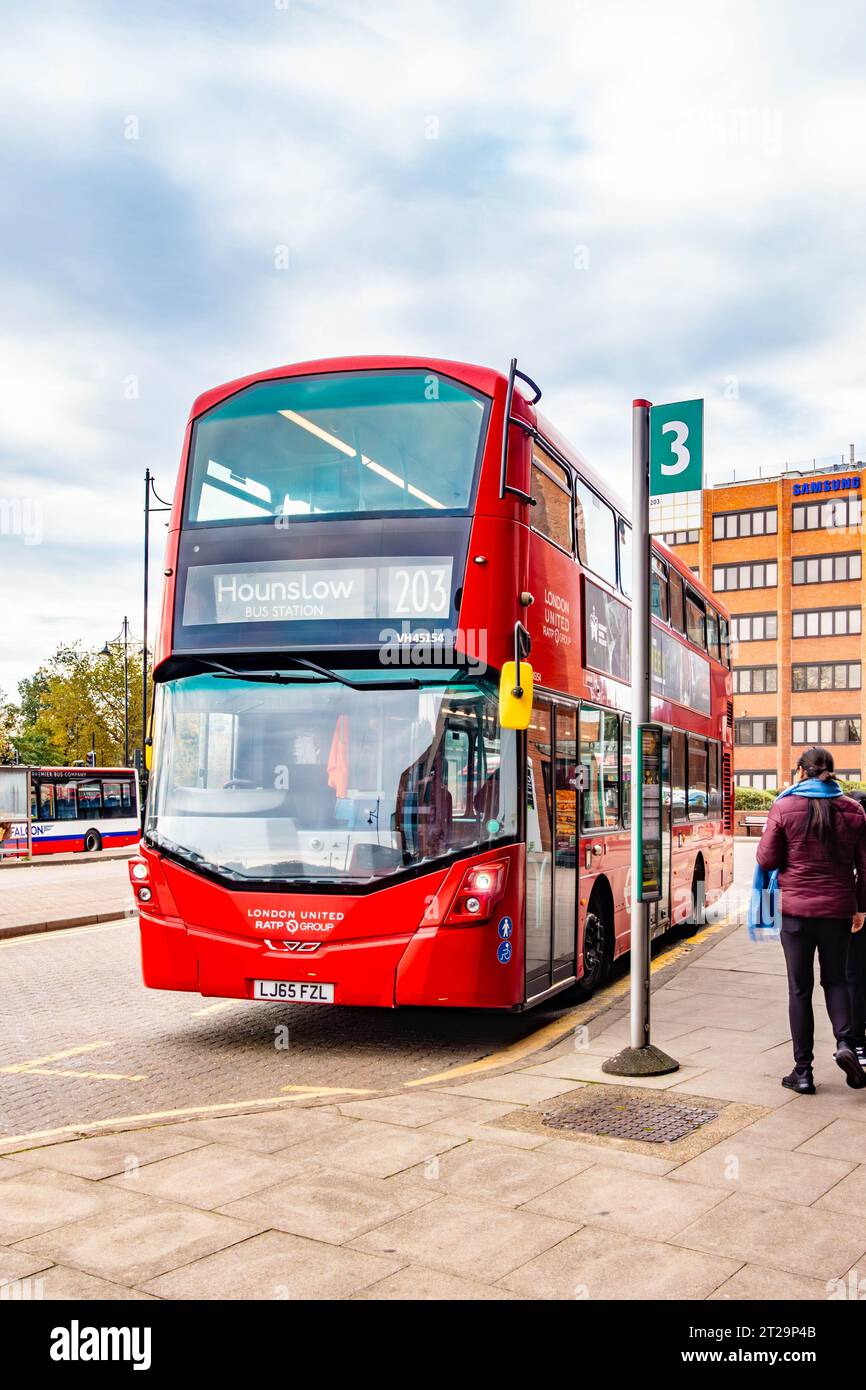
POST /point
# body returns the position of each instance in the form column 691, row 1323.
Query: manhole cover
column 649, row 1121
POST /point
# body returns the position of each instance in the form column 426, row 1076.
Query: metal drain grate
column 651, row 1122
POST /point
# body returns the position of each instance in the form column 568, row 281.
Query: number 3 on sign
column 678, row 448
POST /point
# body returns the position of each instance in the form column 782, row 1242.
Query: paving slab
column 760, row 1284
column 634, row 1203
column 849, row 1195
column 790, row 1126
column 845, row 1139
column 466, row 1238
column 36, row 1200
column 486, row 1172
column 266, row 1131
column 373, row 1149
column 736, row 1086
column 801, row 1240
column 62, row 1284
column 108, row 1154
column 330, row 1205
column 611, row 1154
column 414, row 1109
column 600, row 1264
column 487, row 1133
column 585, row 1067
column 17, row 1264
column 517, row 1088
column 136, row 1244
column 210, row 1176
column 413, row 1283
column 274, row 1265
column 741, row 1164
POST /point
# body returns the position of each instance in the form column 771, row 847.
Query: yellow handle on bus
column 515, row 710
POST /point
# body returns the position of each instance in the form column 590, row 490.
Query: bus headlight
column 480, row 890
column 144, row 895
column 138, row 869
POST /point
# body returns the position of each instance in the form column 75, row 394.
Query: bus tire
column 698, row 913
column 92, row 842
column 597, row 948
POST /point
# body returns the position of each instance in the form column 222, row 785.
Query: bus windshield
column 313, row 780
column 340, row 443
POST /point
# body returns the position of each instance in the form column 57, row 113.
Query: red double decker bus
column 341, row 808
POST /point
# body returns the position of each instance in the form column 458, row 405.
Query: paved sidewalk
column 462, row 1191
column 45, row 897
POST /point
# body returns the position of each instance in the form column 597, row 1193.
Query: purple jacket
column 817, row 879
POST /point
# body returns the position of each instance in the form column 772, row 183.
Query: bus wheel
column 698, row 912
column 92, row 841
column 596, row 952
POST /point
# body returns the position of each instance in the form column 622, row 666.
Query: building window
column 681, row 537
column 825, row 622
column 730, row 526
column 826, row 675
column 755, row 627
column 754, row 733
column 762, row 574
column 851, row 775
column 826, row 569
column 756, row 680
column 833, row 730
column 763, row 781
column 837, row 515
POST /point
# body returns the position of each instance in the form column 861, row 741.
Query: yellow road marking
column 35, row 1066
column 54, row 1057
column 550, row 1032
column 148, row 1116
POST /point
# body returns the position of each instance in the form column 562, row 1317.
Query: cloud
column 657, row 200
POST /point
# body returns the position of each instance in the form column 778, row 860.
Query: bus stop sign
column 676, row 467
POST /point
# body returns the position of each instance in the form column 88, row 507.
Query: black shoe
column 847, row 1059
column 803, row 1082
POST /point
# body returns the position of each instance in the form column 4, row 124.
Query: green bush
column 752, row 799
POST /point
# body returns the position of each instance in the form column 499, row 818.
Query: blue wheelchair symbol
column 506, row 927
column 503, row 952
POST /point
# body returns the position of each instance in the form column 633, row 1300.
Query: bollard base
column 640, row 1061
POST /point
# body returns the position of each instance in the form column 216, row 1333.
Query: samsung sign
column 826, row 485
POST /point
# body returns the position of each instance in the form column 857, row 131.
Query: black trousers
column 801, row 937
column 857, row 984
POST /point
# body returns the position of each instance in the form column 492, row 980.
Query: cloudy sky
column 659, row 199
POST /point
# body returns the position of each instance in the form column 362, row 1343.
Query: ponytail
column 816, row 763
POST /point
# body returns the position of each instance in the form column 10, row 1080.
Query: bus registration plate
column 294, row 991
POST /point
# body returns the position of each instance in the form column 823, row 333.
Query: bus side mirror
column 515, row 709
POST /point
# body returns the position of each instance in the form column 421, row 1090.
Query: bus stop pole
column 640, row 1058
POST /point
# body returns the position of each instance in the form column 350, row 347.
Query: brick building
column 785, row 555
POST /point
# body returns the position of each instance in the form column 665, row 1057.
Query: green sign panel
column 676, row 448
column 649, row 812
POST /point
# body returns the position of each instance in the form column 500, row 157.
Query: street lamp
column 106, row 651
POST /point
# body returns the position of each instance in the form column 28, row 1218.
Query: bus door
column 552, row 842
column 664, row 905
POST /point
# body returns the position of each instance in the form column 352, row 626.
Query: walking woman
column 816, row 838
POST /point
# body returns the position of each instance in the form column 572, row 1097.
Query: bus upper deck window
column 713, row 634
column 695, row 620
column 678, row 618
column 659, row 598
column 625, row 558
column 595, row 525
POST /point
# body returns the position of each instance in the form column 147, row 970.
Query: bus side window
column 678, row 619
column 697, row 774
column 67, row 808
column 46, row 801
column 695, row 620
column 713, row 633
column 551, row 490
column 625, row 560
column 590, row 757
column 626, row 770
column 595, row 526
column 659, row 596
column 724, row 641
column 678, row 775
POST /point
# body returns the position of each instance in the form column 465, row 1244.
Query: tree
column 75, row 703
